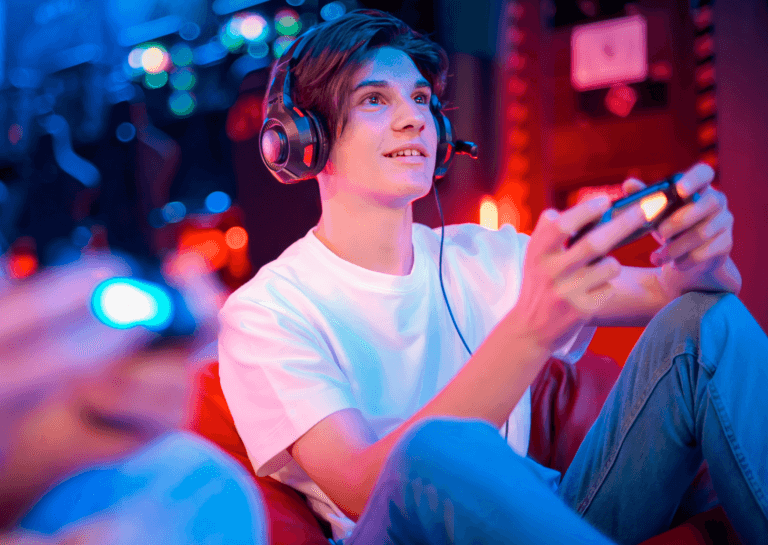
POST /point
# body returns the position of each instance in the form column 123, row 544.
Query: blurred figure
column 89, row 413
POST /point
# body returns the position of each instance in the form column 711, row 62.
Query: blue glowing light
column 218, row 202
column 258, row 50
column 125, row 132
column 174, row 212
column 123, row 303
column 155, row 81
column 181, row 55
column 183, row 79
column 182, row 104
column 81, row 236
column 332, row 10
column 189, row 31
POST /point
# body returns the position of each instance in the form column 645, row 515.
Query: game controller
column 658, row 202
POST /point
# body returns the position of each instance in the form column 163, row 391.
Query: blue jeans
column 693, row 388
column 178, row 490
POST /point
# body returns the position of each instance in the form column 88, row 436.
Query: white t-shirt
column 312, row 334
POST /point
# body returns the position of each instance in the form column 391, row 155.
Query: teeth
column 405, row 152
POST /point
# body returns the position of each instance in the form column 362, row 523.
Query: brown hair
column 335, row 50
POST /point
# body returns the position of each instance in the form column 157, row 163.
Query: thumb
column 632, row 185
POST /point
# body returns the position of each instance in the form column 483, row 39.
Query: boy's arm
column 343, row 456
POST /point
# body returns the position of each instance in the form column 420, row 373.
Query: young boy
column 347, row 380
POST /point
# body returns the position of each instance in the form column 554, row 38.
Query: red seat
column 566, row 400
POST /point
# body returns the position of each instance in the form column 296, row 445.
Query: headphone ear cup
column 444, row 138
column 293, row 144
column 321, row 146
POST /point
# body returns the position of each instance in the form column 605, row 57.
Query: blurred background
column 131, row 125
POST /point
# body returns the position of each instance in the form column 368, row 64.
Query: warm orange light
column 653, row 204
column 489, row 213
column 22, row 266
column 236, row 238
column 208, row 243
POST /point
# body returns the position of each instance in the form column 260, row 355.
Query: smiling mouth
column 405, row 153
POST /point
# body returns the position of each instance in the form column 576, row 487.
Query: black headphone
column 294, row 143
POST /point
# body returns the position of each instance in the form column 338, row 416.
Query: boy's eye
column 373, row 100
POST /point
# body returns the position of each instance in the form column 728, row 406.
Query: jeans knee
column 440, row 444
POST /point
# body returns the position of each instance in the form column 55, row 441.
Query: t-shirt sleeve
column 278, row 377
column 574, row 348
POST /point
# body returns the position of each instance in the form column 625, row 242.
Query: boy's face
column 388, row 112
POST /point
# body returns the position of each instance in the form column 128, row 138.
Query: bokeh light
column 183, row 79
column 174, row 212
column 217, row 202
column 123, row 303
column 332, row 10
column 22, row 266
column 189, row 31
column 208, row 244
column 236, row 238
column 182, row 103
column 134, row 57
column 253, row 27
column 281, row 45
column 181, row 55
column 230, row 35
column 489, row 213
column 154, row 59
column 287, row 22
column 125, row 132
column 258, row 50
column 155, row 81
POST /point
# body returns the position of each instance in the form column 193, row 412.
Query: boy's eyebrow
column 420, row 84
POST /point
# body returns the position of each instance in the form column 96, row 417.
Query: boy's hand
column 696, row 241
column 560, row 291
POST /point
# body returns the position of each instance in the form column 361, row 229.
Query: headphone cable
column 445, row 296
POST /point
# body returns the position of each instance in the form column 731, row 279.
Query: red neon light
column 208, row 243
column 22, row 266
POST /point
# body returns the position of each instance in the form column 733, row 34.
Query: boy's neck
column 378, row 240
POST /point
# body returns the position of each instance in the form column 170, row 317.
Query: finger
column 632, row 185
column 698, row 177
column 693, row 238
column 711, row 203
column 569, row 222
column 544, row 233
column 603, row 239
column 713, row 253
column 554, row 228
